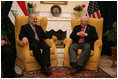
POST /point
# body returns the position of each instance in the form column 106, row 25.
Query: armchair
column 93, row 61
column 25, row 59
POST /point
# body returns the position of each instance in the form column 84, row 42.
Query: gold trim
column 54, row 2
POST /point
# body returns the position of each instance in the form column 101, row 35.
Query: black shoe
column 49, row 70
column 18, row 75
column 45, row 70
column 73, row 71
column 74, row 65
column 80, row 68
column 12, row 75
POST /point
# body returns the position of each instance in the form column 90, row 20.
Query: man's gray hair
column 86, row 18
column 31, row 14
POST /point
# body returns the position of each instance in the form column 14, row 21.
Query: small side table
column 114, row 55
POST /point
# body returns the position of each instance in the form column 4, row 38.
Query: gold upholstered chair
column 25, row 58
column 93, row 61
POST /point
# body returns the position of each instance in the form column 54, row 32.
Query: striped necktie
column 36, row 36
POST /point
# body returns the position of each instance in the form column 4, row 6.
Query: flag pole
column 92, row 7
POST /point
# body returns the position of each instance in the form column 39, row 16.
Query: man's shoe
column 49, row 70
column 18, row 75
column 73, row 71
column 74, row 65
column 45, row 70
column 80, row 68
column 13, row 75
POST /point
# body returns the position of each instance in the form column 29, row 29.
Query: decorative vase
column 30, row 10
column 77, row 14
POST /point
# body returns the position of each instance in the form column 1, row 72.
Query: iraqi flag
column 18, row 8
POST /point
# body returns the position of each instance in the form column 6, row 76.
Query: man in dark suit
column 8, row 56
column 8, row 51
column 83, row 36
column 7, row 25
column 35, row 35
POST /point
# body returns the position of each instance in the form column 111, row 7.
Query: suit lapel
column 31, row 30
column 37, row 30
column 87, row 29
column 80, row 27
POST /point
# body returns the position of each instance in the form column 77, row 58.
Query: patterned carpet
column 62, row 72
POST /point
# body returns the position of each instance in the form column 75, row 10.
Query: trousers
column 73, row 49
column 42, row 58
column 8, row 57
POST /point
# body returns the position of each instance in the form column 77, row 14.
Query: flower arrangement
column 31, row 5
column 79, row 8
column 31, row 8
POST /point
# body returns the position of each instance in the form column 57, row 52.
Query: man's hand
column 85, row 34
column 54, row 38
column 82, row 34
column 25, row 40
column 78, row 33
column 3, row 42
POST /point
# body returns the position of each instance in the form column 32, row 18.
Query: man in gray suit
column 83, row 36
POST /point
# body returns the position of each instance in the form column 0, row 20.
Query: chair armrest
column 50, row 42
column 67, row 41
column 20, row 43
column 98, row 43
column 97, row 49
column 23, row 51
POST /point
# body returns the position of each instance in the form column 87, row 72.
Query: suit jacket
column 27, row 31
column 91, row 38
column 7, row 26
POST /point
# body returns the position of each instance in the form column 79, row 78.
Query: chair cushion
column 80, row 51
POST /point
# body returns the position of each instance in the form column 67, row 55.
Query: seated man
column 83, row 36
column 35, row 35
column 8, row 56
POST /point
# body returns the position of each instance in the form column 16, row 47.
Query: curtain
column 109, row 13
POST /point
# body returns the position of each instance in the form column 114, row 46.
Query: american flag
column 93, row 10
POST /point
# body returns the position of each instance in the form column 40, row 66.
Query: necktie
column 36, row 36
column 81, row 39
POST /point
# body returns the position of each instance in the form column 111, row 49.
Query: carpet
column 63, row 72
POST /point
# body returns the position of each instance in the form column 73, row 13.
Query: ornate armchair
column 25, row 58
column 93, row 61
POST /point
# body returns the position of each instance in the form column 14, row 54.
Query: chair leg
column 97, row 71
column 69, row 69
